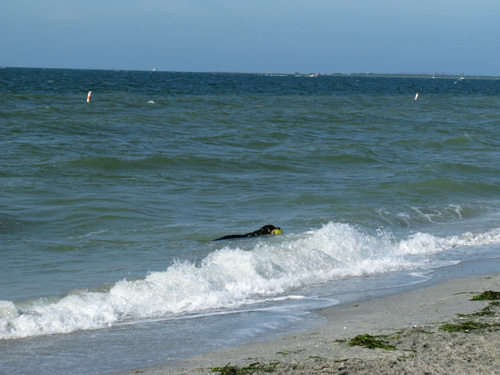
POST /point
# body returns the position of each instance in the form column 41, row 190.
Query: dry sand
column 410, row 321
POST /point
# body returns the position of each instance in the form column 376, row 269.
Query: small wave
column 458, row 140
column 231, row 277
column 10, row 224
column 445, row 186
column 113, row 163
column 414, row 215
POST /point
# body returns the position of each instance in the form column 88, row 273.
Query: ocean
column 109, row 209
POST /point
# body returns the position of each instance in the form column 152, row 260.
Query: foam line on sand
column 411, row 322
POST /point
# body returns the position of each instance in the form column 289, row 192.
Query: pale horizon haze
column 336, row 36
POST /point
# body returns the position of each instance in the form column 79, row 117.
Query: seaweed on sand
column 371, row 342
column 250, row 369
column 488, row 295
column 464, row 327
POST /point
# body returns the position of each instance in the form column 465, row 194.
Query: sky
column 279, row 36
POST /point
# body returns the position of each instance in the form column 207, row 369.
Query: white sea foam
column 232, row 277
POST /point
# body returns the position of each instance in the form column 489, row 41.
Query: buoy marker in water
column 89, row 96
column 416, row 96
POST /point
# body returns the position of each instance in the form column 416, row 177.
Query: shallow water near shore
column 108, row 208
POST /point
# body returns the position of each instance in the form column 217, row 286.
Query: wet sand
column 409, row 321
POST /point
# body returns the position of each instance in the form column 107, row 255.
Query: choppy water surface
column 108, row 208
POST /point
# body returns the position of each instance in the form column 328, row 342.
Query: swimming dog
column 265, row 230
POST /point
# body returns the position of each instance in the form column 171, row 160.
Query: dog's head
column 270, row 229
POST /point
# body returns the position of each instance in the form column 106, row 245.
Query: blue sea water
column 108, row 209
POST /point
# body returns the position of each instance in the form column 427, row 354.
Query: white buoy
column 89, row 96
column 416, row 96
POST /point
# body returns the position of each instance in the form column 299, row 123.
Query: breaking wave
column 239, row 273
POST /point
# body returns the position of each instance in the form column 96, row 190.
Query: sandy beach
column 410, row 325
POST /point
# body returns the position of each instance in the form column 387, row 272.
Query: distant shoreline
column 373, row 75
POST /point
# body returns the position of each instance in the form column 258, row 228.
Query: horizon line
column 372, row 74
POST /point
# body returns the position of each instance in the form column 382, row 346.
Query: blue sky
column 326, row 36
